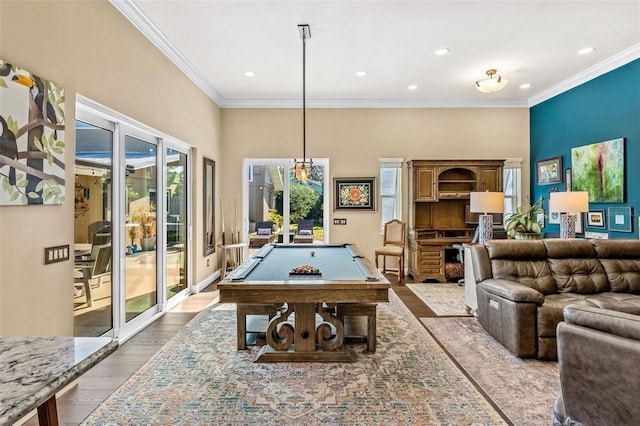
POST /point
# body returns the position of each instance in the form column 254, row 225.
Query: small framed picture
column 595, row 218
column 554, row 218
column 567, row 179
column 579, row 223
column 354, row 193
column 620, row 219
column 549, row 171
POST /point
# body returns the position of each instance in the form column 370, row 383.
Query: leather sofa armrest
column 512, row 291
column 605, row 320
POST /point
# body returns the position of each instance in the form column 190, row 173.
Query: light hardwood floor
column 101, row 381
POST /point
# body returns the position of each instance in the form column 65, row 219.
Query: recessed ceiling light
column 586, row 50
column 361, row 73
column 525, row 86
column 442, row 51
column 250, row 74
column 412, row 87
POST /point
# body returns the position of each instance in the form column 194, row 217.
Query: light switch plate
column 56, row 254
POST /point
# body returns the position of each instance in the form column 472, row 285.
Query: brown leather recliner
column 598, row 356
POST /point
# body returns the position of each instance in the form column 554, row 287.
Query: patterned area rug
column 525, row 390
column 443, row 299
column 198, row 377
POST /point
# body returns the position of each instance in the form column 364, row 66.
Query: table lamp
column 485, row 203
column 567, row 203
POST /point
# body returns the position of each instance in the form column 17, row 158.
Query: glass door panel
column 176, row 220
column 265, row 195
column 140, row 179
column 306, row 206
column 93, row 286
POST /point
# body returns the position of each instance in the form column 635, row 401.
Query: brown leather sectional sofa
column 523, row 285
column 598, row 356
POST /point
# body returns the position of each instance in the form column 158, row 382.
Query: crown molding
column 377, row 103
column 603, row 67
column 149, row 30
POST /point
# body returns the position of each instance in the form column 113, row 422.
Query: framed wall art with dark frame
column 620, row 219
column 354, row 193
column 595, row 218
column 549, row 171
column 208, row 214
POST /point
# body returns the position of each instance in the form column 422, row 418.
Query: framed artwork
column 208, row 214
column 554, row 218
column 595, row 218
column 549, row 171
column 567, row 179
column 32, row 124
column 579, row 223
column 354, row 193
column 599, row 169
column 620, row 219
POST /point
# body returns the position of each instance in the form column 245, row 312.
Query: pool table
column 345, row 276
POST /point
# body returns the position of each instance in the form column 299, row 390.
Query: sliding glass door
column 141, row 265
column 132, row 221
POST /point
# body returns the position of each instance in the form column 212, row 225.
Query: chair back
column 305, row 225
column 394, row 233
column 265, row 225
column 102, row 227
column 102, row 262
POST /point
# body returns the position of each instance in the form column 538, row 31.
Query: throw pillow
column 264, row 231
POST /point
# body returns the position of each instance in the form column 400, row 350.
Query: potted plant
column 147, row 223
column 523, row 224
column 133, row 234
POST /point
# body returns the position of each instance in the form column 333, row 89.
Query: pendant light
column 303, row 168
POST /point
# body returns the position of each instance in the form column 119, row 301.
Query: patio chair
column 264, row 235
column 305, row 232
column 97, row 266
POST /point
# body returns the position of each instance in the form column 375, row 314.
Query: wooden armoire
column 439, row 217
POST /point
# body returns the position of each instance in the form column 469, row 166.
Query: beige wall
column 90, row 49
column 355, row 139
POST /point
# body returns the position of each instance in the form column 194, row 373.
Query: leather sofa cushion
column 623, row 274
column 516, row 249
column 569, row 248
column 617, row 249
column 550, row 313
column 583, row 276
column 620, row 302
column 535, row 274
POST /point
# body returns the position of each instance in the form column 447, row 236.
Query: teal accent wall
column 605, row 108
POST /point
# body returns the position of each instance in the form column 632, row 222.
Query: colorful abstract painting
column 32, row 138
column 599, row 169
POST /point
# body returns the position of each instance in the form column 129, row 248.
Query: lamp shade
column 487, row 202
column 569, row 202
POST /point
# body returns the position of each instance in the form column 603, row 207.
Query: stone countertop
column 33, row 369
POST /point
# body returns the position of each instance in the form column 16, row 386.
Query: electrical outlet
column 339, row 221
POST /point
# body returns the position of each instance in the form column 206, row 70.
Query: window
column 511, row 185
column 390, row 189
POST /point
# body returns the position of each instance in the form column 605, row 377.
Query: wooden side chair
column 394, row 241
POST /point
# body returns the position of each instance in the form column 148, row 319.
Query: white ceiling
column 535, row 42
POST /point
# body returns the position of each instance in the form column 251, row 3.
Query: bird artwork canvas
column 32, row 145
column 599, row 169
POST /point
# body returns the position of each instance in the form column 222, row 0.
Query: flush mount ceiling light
column 303, row 168
column 492, row 84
